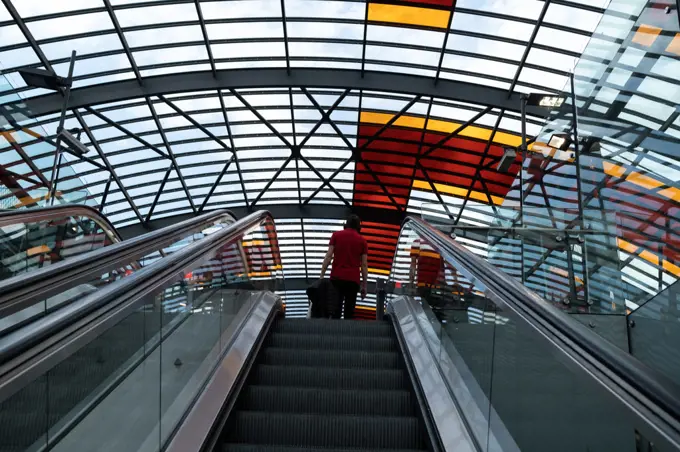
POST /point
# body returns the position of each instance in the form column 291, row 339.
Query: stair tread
column 344, row 431
column 326, row 386
column 302, row 341
column 330, row 377
column 337, row 359
column 327, row 327
column 269, row 448
column 327, row 401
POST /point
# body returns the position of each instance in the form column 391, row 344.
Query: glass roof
column 157, row 152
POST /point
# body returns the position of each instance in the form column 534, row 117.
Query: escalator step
column 305, row 430
column 329, row 342
column 263, row 448
column 327, row 401
column 319, row 377
column 333, row 327
column 331, row 358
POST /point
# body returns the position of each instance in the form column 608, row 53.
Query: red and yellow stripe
column 423, row 13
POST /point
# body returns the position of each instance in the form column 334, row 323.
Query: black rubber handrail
column 67, row 210
column 655, row 386
column 21, row 291
column 69, row 324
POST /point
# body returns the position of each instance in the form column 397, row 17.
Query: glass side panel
column 654, row 330
column 26, row 247
column 517, row 390
column 62, row 238
column 145, row 370
column 589, row 269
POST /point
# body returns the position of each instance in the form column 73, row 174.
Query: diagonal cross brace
column 126, row 131
column 356, row 154
column 458, row 130
column 105, row 159
column 171, row 154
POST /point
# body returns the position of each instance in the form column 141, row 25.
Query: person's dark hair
column 353, row 222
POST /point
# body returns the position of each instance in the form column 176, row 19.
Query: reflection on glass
column 655, row 332
column 30, row 246
column 516, row 389
column 146, row 370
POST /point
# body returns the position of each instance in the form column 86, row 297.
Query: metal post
column 570, row 269
column 523, row 109
column 579, row 188
column 62, row 118
column 380, row 297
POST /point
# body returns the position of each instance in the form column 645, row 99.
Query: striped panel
column 386, row 172
column 421, row 14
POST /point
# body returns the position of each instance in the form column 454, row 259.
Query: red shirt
column 348, row 246
column 429, row 262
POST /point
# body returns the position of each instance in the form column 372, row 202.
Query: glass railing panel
column 593, row 269
column 456, row 322
column 517, row 390
column 25, row 247
column 12, row 324
column 148, row 367
column 654, row 330
column 192, row 237
column 545, row 401
column 75, row 292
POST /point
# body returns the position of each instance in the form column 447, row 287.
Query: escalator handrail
column 67, row 210
column 134, row 287
column 26, row 289
column 656, row 387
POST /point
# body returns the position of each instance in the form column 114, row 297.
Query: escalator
column 195, row 352
column 322, row 384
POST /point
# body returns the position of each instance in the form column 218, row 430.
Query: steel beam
column 446, row 40
column 211, row 135
column 18, row 20
column 320, row 176
column 325, row 117
column 106, row 194
column 385, row 126
column 217, row 182
column 204, row 30
column 262, row 119
column 297, row 161
column 158, row 195
column 335, row 173
column 527, row 49
column 271, row 181
column 284, row 24
column 135, row 137
column 105, row 159
column 458, row 130
column 123, row 40
column 278, row 77
column 434, row 189
column 171, row 154
column 233, row 147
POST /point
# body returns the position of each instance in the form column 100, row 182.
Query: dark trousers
column 347, row 297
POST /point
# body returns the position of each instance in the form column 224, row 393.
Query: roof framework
column 189, row 105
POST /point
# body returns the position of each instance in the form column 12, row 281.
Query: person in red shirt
column 349, row 252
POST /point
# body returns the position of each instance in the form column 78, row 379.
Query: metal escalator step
column 333, row 327
column 331, row 358
column 326, row 401
column 305, row 430
column 264, row 448
column 329, row 342
column 319, row 377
